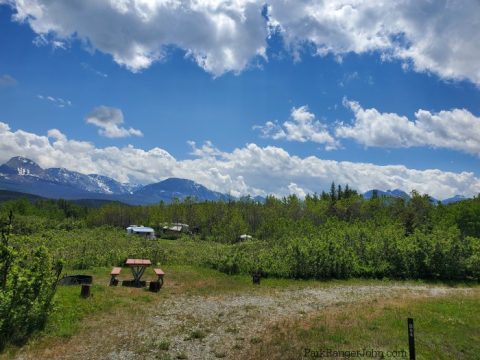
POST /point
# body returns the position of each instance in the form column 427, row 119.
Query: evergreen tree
column 333, row 192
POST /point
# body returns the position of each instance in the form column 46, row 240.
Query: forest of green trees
column 332, row 235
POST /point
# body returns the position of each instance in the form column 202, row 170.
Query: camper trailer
column 141, row 230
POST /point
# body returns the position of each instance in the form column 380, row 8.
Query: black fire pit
column 76, row 280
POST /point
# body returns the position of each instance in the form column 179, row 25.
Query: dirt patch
column 232, row 322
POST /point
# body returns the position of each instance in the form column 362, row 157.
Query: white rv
column 145, row 231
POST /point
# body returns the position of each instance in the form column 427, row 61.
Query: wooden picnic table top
column 138, row 262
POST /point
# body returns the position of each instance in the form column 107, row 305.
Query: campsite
column 239, row 179
column 208, row 306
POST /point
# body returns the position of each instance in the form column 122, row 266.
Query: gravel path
column 230, row 323
column 211, row 327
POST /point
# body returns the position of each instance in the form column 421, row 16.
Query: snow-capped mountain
column 81, row 181
column 21, row 166
column 112, row 186
column 24, row 175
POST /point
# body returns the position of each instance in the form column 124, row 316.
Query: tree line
column 333, row 234
column 224, row 220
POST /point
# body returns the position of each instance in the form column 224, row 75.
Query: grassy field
column 446, row 326
column 70, row 309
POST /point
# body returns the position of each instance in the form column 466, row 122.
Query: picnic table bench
column 159, row 272
column 115, row 272
column 155, row 286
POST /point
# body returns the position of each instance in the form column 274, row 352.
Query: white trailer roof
column 140, row 229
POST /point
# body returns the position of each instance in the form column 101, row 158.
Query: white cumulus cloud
column 250, row 169
column 456, row 129
column 108, row 120
column 220, row 36
column 434, row 36
column 296, row 190
column 440, row 37
column 302, row 126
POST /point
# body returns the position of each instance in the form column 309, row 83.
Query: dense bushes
column 28, row 284
column 335, row 235
column 343, row 250
column 108, row 246
column 336, row 249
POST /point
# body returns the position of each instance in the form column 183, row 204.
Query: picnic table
column 138, row 267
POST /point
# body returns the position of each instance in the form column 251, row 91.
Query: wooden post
column 256, row 275
column 85, row 291
column 411, row 339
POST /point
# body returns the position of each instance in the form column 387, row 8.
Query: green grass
column 164, row 345
column 70, row 309
column 71, row 312
column 445, row 328
column 197, row 334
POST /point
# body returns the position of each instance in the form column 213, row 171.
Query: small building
column 141, row 230
column 175, row 230
column 244, row 237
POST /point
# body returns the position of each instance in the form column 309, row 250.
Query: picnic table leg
column 137, row 272
column 140, row 274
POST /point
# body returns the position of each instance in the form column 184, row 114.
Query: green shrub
column 28, row 284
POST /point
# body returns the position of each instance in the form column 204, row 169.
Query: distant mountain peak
column 179, row 188
column 22, row 166
column 454, row 199
column 179, row 181
column 397, row 193
column 21, row 159
column 23, row 174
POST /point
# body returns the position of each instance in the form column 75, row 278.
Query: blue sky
column 65, row 72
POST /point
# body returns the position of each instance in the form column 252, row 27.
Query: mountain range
column 397, row 193
column 24, row 175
